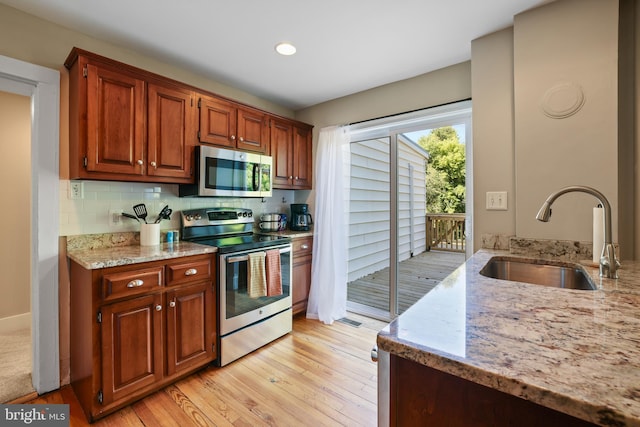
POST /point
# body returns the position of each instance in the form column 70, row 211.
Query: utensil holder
column 149, row 234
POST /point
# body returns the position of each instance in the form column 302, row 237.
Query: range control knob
column 188, row 217
column 197, row 217
column 250, row 214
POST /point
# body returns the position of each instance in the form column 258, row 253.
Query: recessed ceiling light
column 285, row 48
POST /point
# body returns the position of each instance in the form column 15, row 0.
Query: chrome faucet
column 609, row 264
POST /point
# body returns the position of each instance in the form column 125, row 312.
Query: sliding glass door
column 406, row 211
column 370, row 249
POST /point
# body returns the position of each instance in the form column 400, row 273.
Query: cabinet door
column 190, row 327
column 131, row 346
column 172, row 132
column 302, row 166
column 115, row 122
column 301, row 282
column 281, row 153
column 253, row 131
column 217, row 122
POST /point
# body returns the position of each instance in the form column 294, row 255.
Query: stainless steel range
column 249, row 315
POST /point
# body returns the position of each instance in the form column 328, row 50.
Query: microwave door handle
column 256, row 176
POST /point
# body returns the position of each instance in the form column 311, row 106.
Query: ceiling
column 343, row 46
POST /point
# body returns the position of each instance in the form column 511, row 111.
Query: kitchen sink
column 539, row 272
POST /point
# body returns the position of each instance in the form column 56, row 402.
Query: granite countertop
column 103, row 257
column 574, row 351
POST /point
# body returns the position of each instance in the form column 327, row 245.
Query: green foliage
column 445, row 171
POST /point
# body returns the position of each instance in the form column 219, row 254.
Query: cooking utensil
column 128, row 215
column 141, row 211
column 161, row 214
column 167, row 214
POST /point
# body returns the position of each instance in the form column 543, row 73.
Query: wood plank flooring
column 319, row 375
column 416, row 276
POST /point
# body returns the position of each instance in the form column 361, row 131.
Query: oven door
column 237, row 308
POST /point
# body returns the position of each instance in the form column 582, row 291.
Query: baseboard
column 15, row 323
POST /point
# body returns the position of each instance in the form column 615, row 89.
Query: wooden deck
column 416, row 277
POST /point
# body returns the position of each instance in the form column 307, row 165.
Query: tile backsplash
column 89, row 214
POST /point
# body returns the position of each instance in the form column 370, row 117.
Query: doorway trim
column 42, row 85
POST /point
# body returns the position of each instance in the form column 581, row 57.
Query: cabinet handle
column 290, row 176
column 296, row 178
column 241, row 139
column 135, row 283
column 305, row 246
column 191, row 272
column 153, row 164
column 140, row 162
column 158, row 307
column 233, row 137
column 172, row 303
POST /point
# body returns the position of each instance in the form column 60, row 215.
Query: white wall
column 565, row 42
column 519, row 149
column 493, row 134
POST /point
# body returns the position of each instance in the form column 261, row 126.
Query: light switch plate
column 497, row 200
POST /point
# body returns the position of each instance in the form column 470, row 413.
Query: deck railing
column 445, row 232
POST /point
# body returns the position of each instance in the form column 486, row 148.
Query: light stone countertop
column 574, row 351
column 103, row 257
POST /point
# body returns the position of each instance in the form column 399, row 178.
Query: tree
column 445, row 171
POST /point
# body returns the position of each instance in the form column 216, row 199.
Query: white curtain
column 328, row 294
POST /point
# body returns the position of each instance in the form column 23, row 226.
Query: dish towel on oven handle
column 256, row 276
column 274, row 274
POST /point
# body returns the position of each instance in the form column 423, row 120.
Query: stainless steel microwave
column 228, row 173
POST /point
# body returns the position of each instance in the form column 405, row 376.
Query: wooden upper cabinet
column 231, row 125
column 127, row 124
column 115, row 121
column 217, row 122
column 281, row 153
column 302, row 163
column 291, row 153
column 253, row 130
column 172, row 131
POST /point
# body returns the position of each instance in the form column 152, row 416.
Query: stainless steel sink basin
column 539, row 272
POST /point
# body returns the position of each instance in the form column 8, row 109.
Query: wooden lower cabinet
column 137, row 328
column 301, row 266
column 423, row 396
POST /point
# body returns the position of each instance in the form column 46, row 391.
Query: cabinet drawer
column 302, row 246
column 189, row 271
column 127, row 283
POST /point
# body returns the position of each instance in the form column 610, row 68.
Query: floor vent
column 350, row 322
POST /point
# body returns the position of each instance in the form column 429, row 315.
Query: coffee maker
column 301, row 219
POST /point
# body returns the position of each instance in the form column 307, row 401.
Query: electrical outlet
column 76, row 190
column 496, row 200
column 115, row 217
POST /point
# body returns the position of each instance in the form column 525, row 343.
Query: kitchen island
column 573, row 352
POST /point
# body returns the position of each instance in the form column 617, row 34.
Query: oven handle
column 240, row 258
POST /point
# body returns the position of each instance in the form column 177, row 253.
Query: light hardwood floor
column 319, row 375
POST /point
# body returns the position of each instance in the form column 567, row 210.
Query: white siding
column 369, row 206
